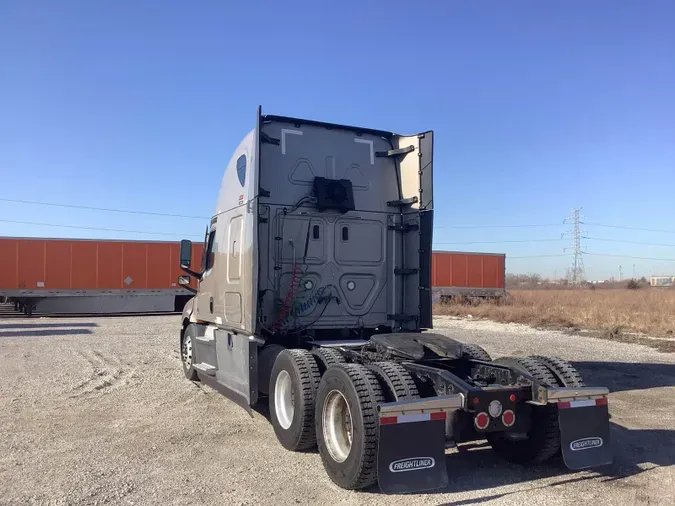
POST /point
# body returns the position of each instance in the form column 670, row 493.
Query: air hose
column 290, row 296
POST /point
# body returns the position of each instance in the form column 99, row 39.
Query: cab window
column 210, row 256
column 241, row 169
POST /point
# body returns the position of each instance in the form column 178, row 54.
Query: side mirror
column 183, row 280
column 185, row 255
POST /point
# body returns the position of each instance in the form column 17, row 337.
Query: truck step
column 205, row 368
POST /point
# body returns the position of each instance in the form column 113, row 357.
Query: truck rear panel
column 371, row 257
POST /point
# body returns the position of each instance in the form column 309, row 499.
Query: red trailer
column 110, row 276
column 100, row 276
column 456, row 273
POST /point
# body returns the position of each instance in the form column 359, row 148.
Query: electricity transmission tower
column 577, row 272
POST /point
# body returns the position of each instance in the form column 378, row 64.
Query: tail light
column 508, row 418
column 482, row 420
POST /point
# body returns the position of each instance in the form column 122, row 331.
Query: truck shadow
column 476, row 467
column 623, row 376
column 43, row 332
column 45, row 325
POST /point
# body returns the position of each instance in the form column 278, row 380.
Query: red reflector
column 564, row 405
column 602, row 401
column 386, row 420
column 482, row 420
column 438, row 416
column 476, row 400
column 513, row 397
column 508, row 418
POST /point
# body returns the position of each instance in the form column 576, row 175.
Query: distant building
column 661, row 280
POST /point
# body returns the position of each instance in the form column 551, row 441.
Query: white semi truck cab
column 314, row 296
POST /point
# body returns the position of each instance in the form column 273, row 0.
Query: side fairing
column 234, row 273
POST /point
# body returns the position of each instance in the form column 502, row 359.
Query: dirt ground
column 97, row 411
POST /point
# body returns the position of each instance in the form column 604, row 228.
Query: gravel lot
column 97, row 411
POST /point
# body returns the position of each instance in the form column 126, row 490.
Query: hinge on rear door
column 262, row 192
column 403, row 272
column 268, row 140
column 262, row 220
column 395, row 152
column 407, row 227
column 402, row 317
column 403, row 202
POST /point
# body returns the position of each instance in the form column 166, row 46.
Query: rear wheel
column 565, row 373
column 187, row 354
column 396, row 382
column 347, row 424
column 326, row 357
column 543, row 440
column 475, row 352
column 293, row 384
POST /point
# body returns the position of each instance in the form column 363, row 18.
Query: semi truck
column 314, row 296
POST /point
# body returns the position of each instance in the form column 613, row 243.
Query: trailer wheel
column 565, row 373
column 326, row 357
column 293, row 383
column 347, row 424
column 475, row 352
column 396, row 382
column 187, row 352
column 543, row 439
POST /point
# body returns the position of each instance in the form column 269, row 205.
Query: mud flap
column 411, row 454
column 584, row 433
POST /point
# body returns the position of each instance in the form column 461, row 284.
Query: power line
column 106, row 209
column 541, row 256
column 623, row 227
column 98, row 228
column 629, row 242
column 501, row 242
column 628, row 256
column 501, row 226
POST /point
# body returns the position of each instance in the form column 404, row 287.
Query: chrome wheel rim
column 336, row 420
column 283, row 399
column 187, row 352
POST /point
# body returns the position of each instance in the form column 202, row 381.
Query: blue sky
column 537, row 107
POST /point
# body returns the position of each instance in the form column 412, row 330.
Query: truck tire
column 326, row 357
column 475, row 352
column 266, row 358
column 347, row 425
column 187, row 356
column 292, row 392
column 396, row 382
column 565, row 373
column 543, row 439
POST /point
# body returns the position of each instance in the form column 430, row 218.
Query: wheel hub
column 284, row 402
column 337, row 426
column 187, row 352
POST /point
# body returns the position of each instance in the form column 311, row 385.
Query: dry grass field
column 614, row 312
